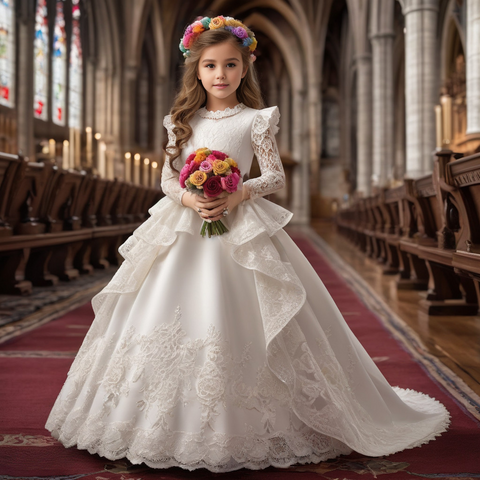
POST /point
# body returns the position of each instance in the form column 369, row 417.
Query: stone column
column 285, row 119
column 473, row 66
column 128, row 106
column 301, row 191
column 420, row 84
column 364, row 123
column 89, row 95
column 159, row 114
column 383, row 99
column 25, row 79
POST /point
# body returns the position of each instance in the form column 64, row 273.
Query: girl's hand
column 231, row 201
column 205, row 205
column 211, row 209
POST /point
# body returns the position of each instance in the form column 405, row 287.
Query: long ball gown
column 228, row 352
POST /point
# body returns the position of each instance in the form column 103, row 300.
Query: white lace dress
column 228, row 352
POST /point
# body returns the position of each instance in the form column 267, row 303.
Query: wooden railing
column 428, row 232
column 56, row 224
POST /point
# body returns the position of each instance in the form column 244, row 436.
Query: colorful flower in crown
column 231, row 22
column 217, row 22
column 202, row 24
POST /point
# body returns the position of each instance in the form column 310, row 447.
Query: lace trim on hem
column 251, row 465
column 222, row 454
column 218, row 114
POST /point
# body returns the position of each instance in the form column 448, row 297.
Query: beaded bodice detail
column 241, row 132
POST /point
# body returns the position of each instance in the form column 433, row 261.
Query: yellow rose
column 217, row 22
column 198, row 178
column 231, row 162
column 253, row 45
column 234, row 23
column 220, row 167
column 204, row 150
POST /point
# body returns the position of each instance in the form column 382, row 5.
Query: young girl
column 227, row 352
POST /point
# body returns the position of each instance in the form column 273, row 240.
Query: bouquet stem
column 213, row 228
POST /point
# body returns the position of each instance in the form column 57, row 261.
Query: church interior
column 380, row 142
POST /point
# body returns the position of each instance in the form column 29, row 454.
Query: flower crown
column 236, row 27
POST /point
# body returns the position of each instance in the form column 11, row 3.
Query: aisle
column 33, row 368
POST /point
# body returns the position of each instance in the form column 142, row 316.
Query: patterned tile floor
column 22, row 313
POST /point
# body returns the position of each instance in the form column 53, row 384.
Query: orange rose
column 199, row 157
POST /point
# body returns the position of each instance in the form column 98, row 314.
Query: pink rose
column 184, row 174
column 230, row 182
column 190, row 158
column 213, row 186
column 206, row 166
column 187, row 39
column 219, row 155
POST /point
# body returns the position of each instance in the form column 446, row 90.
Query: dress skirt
column 228, row 352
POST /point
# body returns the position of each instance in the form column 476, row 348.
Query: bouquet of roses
column 212, row 174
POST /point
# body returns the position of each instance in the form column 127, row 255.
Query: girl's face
column 221, row 70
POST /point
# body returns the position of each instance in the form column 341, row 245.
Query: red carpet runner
column 33, row 368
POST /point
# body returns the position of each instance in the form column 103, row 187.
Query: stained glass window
column 76, row 71
column 41, row 54
column 7, row 52
column 59, row 66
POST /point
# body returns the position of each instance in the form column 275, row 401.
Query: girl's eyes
column 211, row 65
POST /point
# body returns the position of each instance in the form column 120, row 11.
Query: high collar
column 228, row 112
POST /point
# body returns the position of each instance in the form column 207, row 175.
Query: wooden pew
column 433, row 245
column 25, row 214
column 413, row 270
column 54, row 223
column 461, row 177
column 9, row 165
column 391, row 206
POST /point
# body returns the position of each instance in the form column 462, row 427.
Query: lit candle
column 136, row 169
column 88, row 149
column 146, row 171
column 438, row 126
column 51, row 149
column 101, row 166
column 110, row 164
column 446, row 101
column 78, row 146
column 71, row 160
column 66, row 155
column 153, row 177
column 128, row 167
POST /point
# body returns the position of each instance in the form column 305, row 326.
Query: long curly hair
column 192, row 94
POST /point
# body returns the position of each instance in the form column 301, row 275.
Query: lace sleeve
column 170, row 178
column 272, row 176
